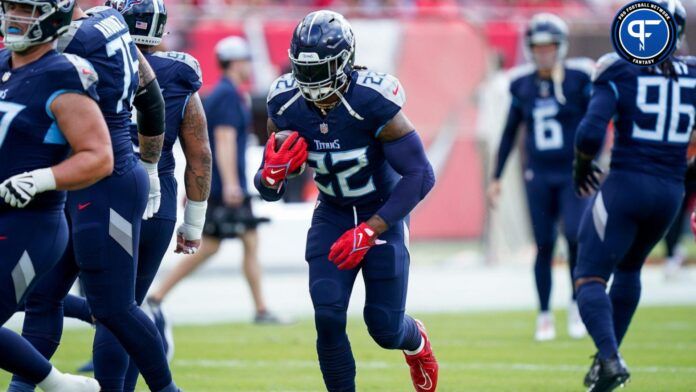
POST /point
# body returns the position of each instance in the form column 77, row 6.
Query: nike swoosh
column 360, row 236
column 428, row 383
column 276, row 171
column 396, row 90
column 81, row 207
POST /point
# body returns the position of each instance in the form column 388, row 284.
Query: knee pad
column 383, row 326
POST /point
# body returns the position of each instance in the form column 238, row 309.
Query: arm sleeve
column 266, row 193
column 150, row 104
column 507, row 141
column 589, row 137
column 407, row 156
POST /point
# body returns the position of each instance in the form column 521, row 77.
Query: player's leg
column 572, row 209
column 385, row 272
column 105, row 250
column 675, row 255
column 155, row 237
column 209, row 246
column 544, row 207
column 27, row 256
column 330, row 290
column 626, row 286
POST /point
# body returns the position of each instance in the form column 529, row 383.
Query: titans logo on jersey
column 657, row 114
column 349, row 165
column 29, row 136
column 103, row 39
column 551, row 115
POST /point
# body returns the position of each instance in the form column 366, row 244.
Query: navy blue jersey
column 225, row 106
column 550, row 122
column 103, row 40
column 179, row 76
column 348, row 160
column 29, row 135
column 653, row 114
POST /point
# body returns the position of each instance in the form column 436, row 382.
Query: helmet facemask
column 318, row 78
column 16, row 40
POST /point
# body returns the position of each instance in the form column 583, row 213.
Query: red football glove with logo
column 288, row 159
column 349, row 249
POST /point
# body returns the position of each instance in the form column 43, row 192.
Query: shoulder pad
column 604, row 63
column 83, row 68
column 688, row 60
column 183, row 58
column 65, row 39
column 582, row 64
column 388, row 86
column 97, row 9
column 281, row 85
column 520, row 71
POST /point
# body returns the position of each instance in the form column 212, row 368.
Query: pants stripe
column 600, row 216
column 22, row 275
column 121, row 231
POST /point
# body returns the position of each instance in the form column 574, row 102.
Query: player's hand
column 586, row 175
column 20, row 189
column 493, row 193
column 291, row 155
column 350, row 248
column 185, row 245
column 693, row 223
column 155, row 195
column 188, row 234
column 232, row 196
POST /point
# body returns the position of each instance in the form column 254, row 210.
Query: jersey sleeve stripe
column 53, row 97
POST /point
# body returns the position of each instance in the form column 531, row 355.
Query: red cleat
column 424, row 367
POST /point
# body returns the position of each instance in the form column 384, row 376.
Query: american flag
column 140, row 25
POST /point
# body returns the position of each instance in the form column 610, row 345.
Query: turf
column 477, row 352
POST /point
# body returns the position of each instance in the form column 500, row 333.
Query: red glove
column 349, row 249
column 693, row 223
column 288, row 159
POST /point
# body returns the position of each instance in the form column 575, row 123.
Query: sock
column 572, row 261
column 413, row 340
column 542, row 275
column 77, row 308
column 52, row 381
column 110, row 360
column 19, row 386
column 624, row 295
column 337, row 366
column 25, row 360
column 138, row 335
column 596, row 313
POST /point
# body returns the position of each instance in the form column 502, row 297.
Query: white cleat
column 576, row 328
column 63, row 382
column 674, row 264
column 545, row 327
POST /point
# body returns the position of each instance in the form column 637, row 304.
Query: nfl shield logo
column 324, row 128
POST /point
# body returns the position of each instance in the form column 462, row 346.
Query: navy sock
column 412, row 336
column 19, row 386
column 624, row 295
column 572, row 261
column 542, row 275
column 138, row 335
column 337, row 366
column 110, row 360
column 77, row 307
column 24, row 360
column 596, row 312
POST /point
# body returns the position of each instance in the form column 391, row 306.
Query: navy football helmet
column 51, row 19
column 676, row 8
column 145, row 19
column 322, row 51
column 546, row 29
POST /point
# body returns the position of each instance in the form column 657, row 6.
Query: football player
column 371, row 170
column 179, row 77
column 106, row 217
column 549, row 96
column 48, row 108
column 653, row 110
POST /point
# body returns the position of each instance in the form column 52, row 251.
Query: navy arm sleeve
column 407, row 156
column 589, row 137
column 507, row 141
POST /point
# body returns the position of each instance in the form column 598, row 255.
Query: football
column 280, row 138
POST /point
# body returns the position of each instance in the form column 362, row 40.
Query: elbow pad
column 150, row 104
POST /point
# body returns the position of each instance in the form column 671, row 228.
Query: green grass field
column 477, row 352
